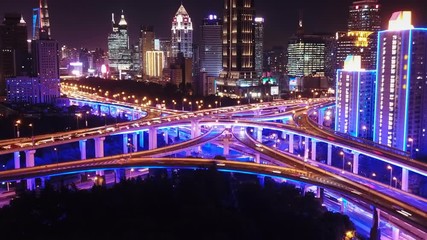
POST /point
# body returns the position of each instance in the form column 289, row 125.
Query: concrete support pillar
column 356, row 162
column 226, row 144
column 320, row 116
column 195, row 129
column 29, row 162
column 166, row 136
column 17, row 160
column 329, row 155
column 82, row 147
column 119, row 174
column 141, row 139
column 306, row 140
column 313, row 149
column 405, row 176
column 375, row 230
column 344, row 205
column 320, row 193
column 259, row 134
column 395, row 233
column 257, row 158
column 135, row 142
column 291, row 143
column 99, row 151
column 29, row 158
column 152, row 138
column 125, row 144
column 261, row 180
column 43, row 182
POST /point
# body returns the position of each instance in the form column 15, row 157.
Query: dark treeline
column 190, row 205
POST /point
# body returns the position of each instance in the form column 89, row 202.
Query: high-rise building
column 155, row 63
column 13, row 48
column 364, row 16
column 211, row 46
column 238, row 50
column 306, row 55
column 259, row 45
column 401, row 92
column 35, row 28
column 120, row 56
column 182, row 34
column 355, row 99
column 275, row 60
column 45, row 58
column 146, row 43
column 44, row 20
column 361, row 37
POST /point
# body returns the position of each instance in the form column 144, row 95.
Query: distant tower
column 146, row 42
column 119, row 53
column 44, row 20
column 211, row 46
column 259, row 45
column 182, row 34
column 239, row 38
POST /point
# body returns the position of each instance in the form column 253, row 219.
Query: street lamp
column 183, row 101
column 343, row 156
column 374, row 174
column 17, row 123
column 395, row 182
column 56, row 155
column 78, row 115
column 105, row 119
column 87, row 112
column 351, row 166
column 32, row 132
column 411, row 140
column 391, row 173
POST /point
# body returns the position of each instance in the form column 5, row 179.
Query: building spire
column 44, row 20
column 300, row 30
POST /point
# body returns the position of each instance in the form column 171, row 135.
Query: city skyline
column 69, row 20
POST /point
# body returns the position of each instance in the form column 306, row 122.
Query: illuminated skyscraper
column 146, row 43
column 154, row 63
column 182, row 34
column 306, row 55
column 13, row 48
column 361, row 37
column 211, row 46
column 120, row 56
column 401, row 92
column 259, row 45
column 355, row 99
column 239, row 39
column 44, row 20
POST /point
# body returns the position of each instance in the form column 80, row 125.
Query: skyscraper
column 401, row 91
column 259, row 45
column 44, row 20
column 13, row 48
column 146, row 42
column 211, row 46
column 120, row 56
column 182, row 34
column 361, row 39
column 306, row 55
column 364, row 16
column 355, row 99
column 239, row 39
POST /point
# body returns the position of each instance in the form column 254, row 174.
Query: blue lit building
column 401, row 90
column 355, row 99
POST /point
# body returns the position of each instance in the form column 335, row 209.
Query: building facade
column 259, row 45
column 211, row 46
column 155, row 61
column 306, row 55
column 182, row 34
column 238, row 39
column 13, row 48
column 355, row 99
column 146, row 43
column 119, row 52
column 401, row 109
column 32, row 90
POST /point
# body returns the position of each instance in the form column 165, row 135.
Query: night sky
column 86, row 23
